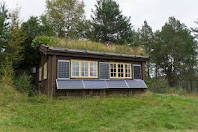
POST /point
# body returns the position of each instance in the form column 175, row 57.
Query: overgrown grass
column 149, row 112
column 89, row 45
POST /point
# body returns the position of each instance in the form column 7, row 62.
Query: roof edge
column 56, row 49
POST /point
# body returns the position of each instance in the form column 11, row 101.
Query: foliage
column 145, row 36
column 65, row 16
column 50, row 41
column 46, row 27
column 36, row 27
column 4, row 26
column 12, row 48
column 23, row 84
column 4, row 29
column 88, row 45
column 33, row 27
column 160, row 85
column 7, row 73
column 174, row 50
column 109, row 25
column 195, row 30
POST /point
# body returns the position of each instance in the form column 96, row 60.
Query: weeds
column 89, row 45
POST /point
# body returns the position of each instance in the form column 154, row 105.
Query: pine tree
column 145, row 38
column 109, row 25
column 174, row 50
column 4, row 26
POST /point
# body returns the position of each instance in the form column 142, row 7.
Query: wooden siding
column 48, row 86
column 97, row 92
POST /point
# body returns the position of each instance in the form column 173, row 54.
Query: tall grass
column 149, row 112
column 89, row 45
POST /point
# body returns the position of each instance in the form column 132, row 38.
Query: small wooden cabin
column 76, row 72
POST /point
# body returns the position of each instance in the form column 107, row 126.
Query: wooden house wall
column 105, row 60
column 48, row 86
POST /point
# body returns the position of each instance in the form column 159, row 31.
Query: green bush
column 23, row 84
column 44, row 40
column 7, row 73
column 160, row 85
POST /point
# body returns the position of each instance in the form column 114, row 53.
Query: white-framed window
column 84, row 69
column 120, row 70
column 137, row 71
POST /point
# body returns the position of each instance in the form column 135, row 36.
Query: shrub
column 160, row 85
column 7, row 73
column 23, row 84
column 9, row 95
column 50, row 41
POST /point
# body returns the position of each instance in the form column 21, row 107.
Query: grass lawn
column 149, row 112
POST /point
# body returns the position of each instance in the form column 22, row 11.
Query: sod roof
column 87, row 45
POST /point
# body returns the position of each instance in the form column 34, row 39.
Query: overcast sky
column 156, row 12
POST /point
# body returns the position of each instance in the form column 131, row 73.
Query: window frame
column 45, row 71
column 69, row 69
column 80, row 70
column 124, row 70
column 140, row 71
column 40, row 73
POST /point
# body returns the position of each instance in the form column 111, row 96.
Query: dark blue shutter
column 63, row 69
column 104, row 70
column 137, row 72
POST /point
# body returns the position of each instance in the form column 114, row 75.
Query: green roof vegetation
column 89, row 45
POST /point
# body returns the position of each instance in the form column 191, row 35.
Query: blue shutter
column 63, row 69
column 104, row 70
column 137, row 72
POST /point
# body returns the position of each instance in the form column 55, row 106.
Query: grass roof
column 88, row 45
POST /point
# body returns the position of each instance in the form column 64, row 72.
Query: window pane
column 127, row 70
column 93, row 69
column 83, row 69
column 75, row 68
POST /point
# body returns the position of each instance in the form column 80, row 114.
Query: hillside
column 149, row 112
column 89, row 45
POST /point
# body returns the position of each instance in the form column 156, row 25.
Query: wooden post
column 143, row 70
column 52, row 76
column 49, row 74
column 41, row 81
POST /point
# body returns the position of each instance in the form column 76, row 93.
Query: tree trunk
column 171, row 78
column 148, row 66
